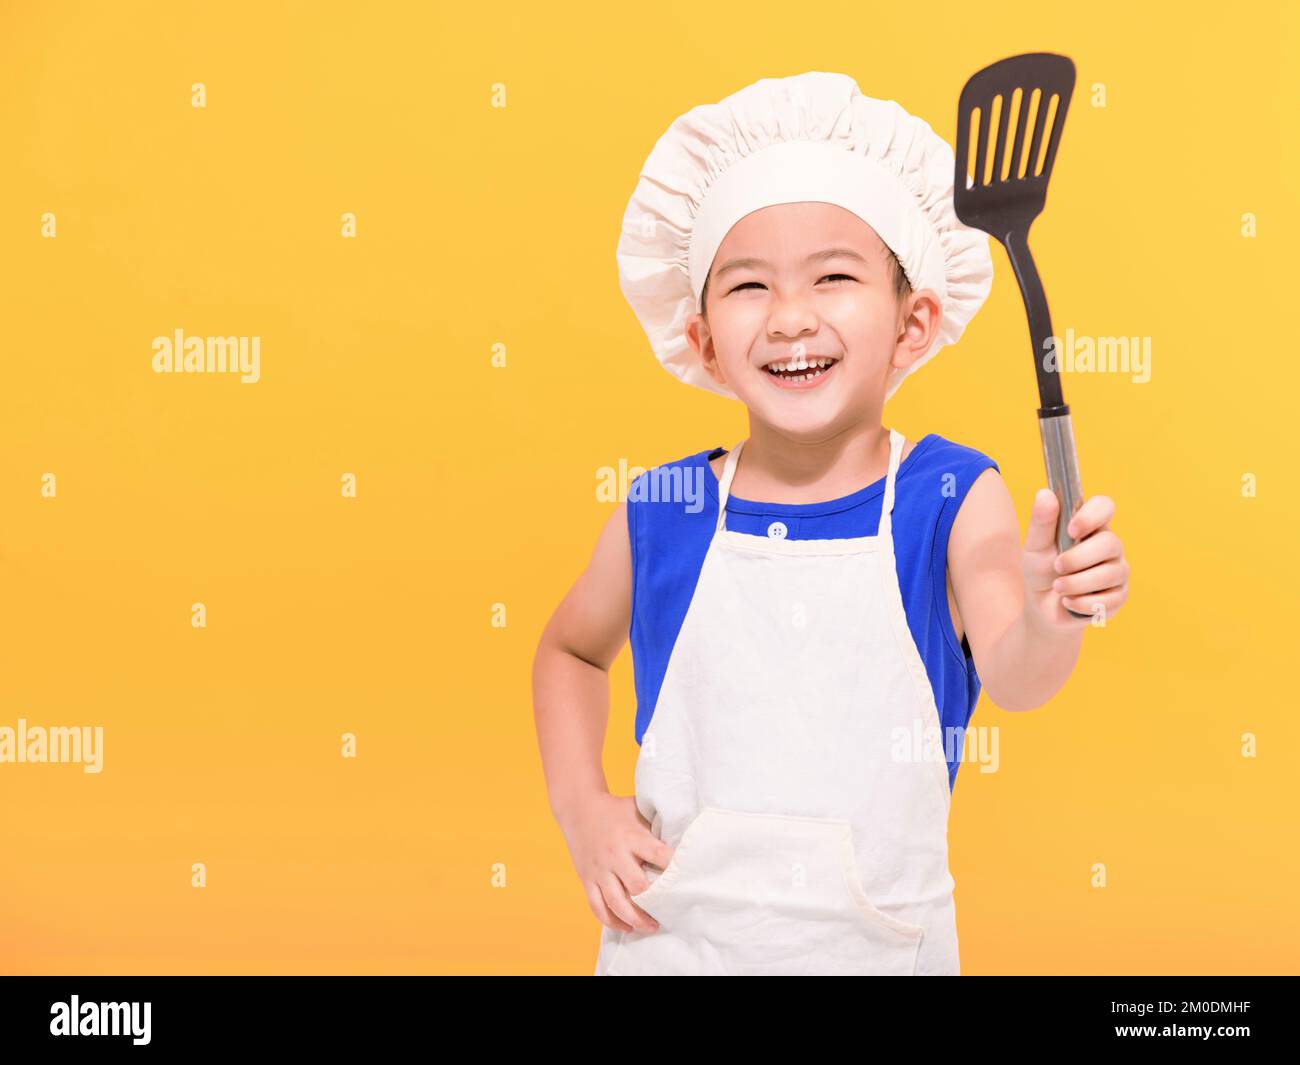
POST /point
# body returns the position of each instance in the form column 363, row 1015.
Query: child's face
column 766, row 311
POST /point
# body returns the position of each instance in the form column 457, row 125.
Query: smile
column 802, row 372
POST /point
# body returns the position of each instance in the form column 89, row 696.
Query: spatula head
column 1009, row 122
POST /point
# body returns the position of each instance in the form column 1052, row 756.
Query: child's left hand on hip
column 1090, row 578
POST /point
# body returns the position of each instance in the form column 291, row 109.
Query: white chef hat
column 809, row 137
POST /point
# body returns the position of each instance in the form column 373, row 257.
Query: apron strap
column 724, row 485
column 896, row 441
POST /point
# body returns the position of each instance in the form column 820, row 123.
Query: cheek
column 735, row 333
column 863, row 326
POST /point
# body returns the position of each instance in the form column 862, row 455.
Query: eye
column 759, row 284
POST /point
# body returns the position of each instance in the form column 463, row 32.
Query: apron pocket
column 751, row 894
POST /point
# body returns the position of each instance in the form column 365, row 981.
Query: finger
column 1093, row 579
column 603, row 913
column 1037, row 569
column 1111, row 599
column 650, row 848
column 634, row 882
column 632, row 875
column 1101, row 546
column 616, row 897
column 1041, row 534
column 1092, row 514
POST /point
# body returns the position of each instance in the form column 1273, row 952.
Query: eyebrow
column 817, row 256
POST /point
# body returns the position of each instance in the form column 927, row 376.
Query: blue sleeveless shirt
column 672, row 511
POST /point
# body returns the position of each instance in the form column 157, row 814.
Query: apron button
column 777, row 530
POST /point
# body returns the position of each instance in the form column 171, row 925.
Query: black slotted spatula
column 1009, row 122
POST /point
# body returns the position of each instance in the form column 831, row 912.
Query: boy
column 795, row 247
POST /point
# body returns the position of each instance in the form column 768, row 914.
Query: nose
column 791, row 317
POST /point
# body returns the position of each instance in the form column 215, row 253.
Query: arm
column 606, row 834
column 1024, row 641
column 571, row 670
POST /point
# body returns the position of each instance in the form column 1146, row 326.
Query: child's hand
column 606, row 838
column 1090, row 578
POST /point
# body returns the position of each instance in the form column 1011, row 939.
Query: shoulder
column 670, row 494
column 979, row 504
column 671, row 514
column 938, row 452
column 695, row 465
column 939, row 473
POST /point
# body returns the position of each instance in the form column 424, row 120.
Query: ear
column 700, row 339
column 918, row 322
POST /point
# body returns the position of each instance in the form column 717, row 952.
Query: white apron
column 795, row 762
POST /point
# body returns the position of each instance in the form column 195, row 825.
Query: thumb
column 1041, row 535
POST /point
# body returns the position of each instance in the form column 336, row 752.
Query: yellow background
column 480, row 226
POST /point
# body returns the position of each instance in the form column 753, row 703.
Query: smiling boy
column 795, row 247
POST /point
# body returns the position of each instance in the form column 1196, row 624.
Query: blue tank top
column 672, row 511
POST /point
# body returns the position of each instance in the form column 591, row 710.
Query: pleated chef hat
column 809, row 137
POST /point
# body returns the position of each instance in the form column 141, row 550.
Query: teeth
column 803, row 376
column 801, row 362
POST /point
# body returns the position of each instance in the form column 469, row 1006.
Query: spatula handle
column 1062, row 472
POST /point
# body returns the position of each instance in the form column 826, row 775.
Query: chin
column 802, row 418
